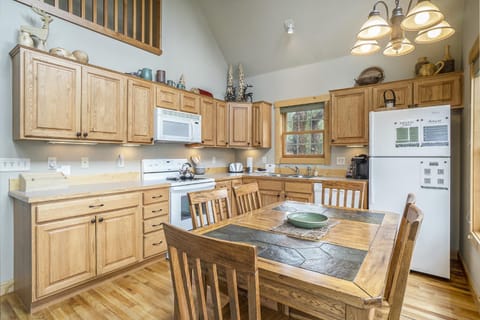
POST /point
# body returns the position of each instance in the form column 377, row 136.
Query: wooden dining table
column 340, row 276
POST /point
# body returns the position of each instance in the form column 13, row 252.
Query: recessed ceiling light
column 289, row 26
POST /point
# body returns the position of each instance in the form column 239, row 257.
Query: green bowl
column 307, row 220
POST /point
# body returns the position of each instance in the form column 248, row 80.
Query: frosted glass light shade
column 398, row 48
column 365, row 47
column 439, row 32
column 374, row 28
column 424, row 15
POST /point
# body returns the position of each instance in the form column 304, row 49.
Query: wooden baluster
column 142, row 21
column 134, row 19
column 150, row 23
column 115, row 15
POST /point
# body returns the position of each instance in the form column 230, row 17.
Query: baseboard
column 6, row 287
column 476, row 295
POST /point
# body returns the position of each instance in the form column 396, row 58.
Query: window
column 302, row 135
column 475, row 139
column 136, row 22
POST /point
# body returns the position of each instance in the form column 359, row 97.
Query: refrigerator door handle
column 372, row 190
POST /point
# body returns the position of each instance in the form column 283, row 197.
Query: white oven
column 168, row 171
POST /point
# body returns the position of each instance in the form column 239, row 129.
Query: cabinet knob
column 79, row 134
column 93, row 220
column 151, row 139
column 248, row 143
column 100, row 219
column 203, row 141
column 333, row 140
column 85, row 134
column 226, row 143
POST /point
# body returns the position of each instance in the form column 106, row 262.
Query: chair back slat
column 209, row 207
column 401, row 258
column 247, row 197
column 344, row 194
column 194, row 258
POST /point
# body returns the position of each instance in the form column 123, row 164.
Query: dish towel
column 315, row 234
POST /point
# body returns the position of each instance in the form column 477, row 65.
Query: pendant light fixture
column 424, row 17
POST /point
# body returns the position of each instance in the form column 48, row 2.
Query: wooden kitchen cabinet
column 229, row 184
column 221, row 115
column 103, row 105
column 141, row 104
column 167, row 97
column 403, row 95
column 438, row 90
column 298, row 191
column 262, row 124
column 209, row 128
column 240, row 124
column 156, row 210
column 271, row 190
column 59, row 99
column 349, row 116
column 189, row 102
column 277, row 189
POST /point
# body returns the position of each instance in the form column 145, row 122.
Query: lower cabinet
column 275, row 190
column 298, row 191
column 229, row 184
column 156, row 208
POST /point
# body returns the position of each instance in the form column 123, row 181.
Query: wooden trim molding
column 279, row 130
column 475, row 143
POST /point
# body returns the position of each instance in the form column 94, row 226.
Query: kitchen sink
column 284, row 175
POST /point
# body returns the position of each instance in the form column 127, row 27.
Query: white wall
column 469, row 252
column 189, row 48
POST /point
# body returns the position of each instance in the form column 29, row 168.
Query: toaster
column 235, row 167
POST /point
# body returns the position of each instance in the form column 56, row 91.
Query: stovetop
column 169, row 170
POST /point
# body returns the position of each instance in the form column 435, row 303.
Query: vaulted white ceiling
column 252, row 32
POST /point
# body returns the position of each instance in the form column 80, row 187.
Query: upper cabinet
column 349, row 116
column 402, row 91
column 442, row 89
column 240, row 124
column 207, row 111
column 262, row 124
column 189, row 102
column 167, row 97
column 141, row 101
column 221, row 115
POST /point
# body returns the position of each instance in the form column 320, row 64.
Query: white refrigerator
column 409, row 151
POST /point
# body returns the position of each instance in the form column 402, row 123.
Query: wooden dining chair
column 209, row 207
column 196, row 259
column 400, row 263
column 344, row 194
column 247, row 197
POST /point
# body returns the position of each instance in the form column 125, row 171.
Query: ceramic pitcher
column 430, row 69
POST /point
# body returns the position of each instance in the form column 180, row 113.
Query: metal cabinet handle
column 156, row 197
column 96, row 206
column 79, row 134
column 157, row 225
column 155, row 211
column 100, row 219
column 157, row 243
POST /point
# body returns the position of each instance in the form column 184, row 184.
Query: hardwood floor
column 147, row 294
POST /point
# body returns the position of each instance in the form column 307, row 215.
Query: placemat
column 315, row 234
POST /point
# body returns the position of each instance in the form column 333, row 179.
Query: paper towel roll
column 249, row 164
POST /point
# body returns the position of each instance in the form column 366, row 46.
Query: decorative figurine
column 181, row 82
column 230, row 94
column 38, row 34
column 242, row 86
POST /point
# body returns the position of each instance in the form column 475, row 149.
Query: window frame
column 474, row 59
column 280, row 125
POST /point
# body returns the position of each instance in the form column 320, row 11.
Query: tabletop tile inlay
column 367, row 217
column 321, row 257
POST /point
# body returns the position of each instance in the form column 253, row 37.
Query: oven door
column 180, row 206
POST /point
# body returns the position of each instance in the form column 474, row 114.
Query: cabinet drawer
column 154, row 243
column 270, row 185
column 155, row 209
column 223, row 184
column 156, row 195
column 236, row 182
column 303, row 187
column 70, row 208
column 154, row 223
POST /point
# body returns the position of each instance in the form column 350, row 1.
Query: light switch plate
column 52, row 163
column 84, row 162
column 340, row 161
column 14, row 164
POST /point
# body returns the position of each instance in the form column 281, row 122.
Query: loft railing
column 136, row 22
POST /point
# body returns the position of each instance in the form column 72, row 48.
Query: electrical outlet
column 264, row 159
column 214, row 160
column 84, row 162
column 52, row 163
column 14, row 164
column 340, row 161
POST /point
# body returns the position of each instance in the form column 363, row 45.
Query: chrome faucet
column 296, row 169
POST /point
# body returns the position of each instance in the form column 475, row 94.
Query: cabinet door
column 221, row 114
column 140, row 111
column 65, row 254
column 262, row 123
column 103, row 105
column 189, row 102
column 118, row 239
column 349, row 120
column 167, row 97
column 240, row 124
column 403, row 95
column 438, row 90
column 269, row 196
column 300, row 197
column 52, row 93
column 207, row 111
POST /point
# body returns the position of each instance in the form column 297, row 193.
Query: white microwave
column 176, row 126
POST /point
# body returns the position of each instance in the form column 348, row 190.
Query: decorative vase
column 448, row 60
column 421, row 61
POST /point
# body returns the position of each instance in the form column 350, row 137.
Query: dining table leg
column 353, row 313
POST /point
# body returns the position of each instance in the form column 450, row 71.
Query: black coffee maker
column 358, row 167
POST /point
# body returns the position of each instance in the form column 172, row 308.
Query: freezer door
column 410, row 132
column 391, row 179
